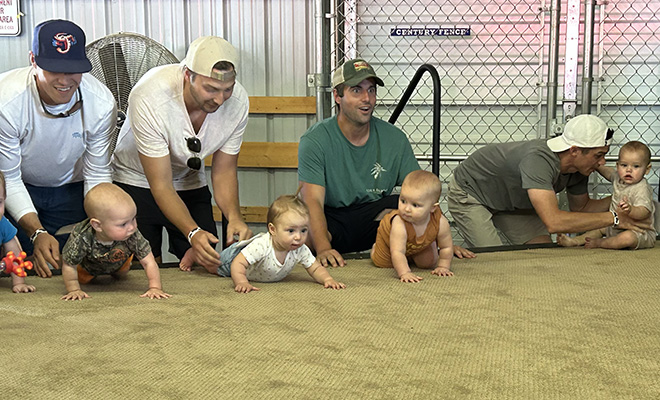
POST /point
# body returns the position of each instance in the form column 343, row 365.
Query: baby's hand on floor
column 410, row 277
column 154, row 293
column 333, row 284
column 245, row 288
column 23, row 288
column 75, row 295
column 442, row 271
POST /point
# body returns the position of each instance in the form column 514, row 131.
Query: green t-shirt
column 354, row 174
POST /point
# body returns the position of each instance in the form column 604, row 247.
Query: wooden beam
column 283, row 105
column 251, row 214
column 266, row 155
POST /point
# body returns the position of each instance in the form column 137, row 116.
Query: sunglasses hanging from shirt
column 194, row 145
column 74, row 109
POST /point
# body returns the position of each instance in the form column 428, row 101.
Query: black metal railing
column 435, row 149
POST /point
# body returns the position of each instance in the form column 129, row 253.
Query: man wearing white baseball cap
column 179, row 114
column 508, row 190
column 56, row 127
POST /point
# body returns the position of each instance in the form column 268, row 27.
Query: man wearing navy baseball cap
column 56, row 126
column 59, row 46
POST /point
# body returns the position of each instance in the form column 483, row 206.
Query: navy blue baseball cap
column 59, row 46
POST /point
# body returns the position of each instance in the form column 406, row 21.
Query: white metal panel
column 274, row 40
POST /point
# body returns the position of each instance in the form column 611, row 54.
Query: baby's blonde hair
column 103, row 197
column 284, row 203
column 426, row 180
column 640, row 147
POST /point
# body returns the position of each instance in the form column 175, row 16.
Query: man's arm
column 19, row 204
column 319, row 237
column 584, row 204
column 606, row 172
column 559, row 221
column 96, row 159
column 46, row 249
column 225, row 192
column 158, row 171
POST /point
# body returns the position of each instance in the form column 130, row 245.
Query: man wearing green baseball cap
column 348, row 166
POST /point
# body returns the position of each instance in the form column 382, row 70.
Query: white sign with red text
column 10, row 21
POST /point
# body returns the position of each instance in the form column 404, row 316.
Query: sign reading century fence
column 10, row 22
column 426, row 31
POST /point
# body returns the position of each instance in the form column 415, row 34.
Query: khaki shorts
column 482, row 227
column 645, row 240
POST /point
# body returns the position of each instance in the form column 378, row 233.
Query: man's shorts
column 354, row 228
column 151, row 220
column 57, row 207
column 481, row 226
column 645, row 240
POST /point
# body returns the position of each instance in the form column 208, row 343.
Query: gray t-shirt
column 498, row 175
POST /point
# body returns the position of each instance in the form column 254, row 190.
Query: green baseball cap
column 353, row 72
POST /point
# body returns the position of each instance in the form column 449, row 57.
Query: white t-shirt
column 158, row 125
column 263, row 264
column 42, row 150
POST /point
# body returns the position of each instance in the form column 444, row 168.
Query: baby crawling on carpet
column 270, row 256
column 106, row 242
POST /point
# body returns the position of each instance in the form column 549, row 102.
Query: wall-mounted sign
column 10, row 21
column 433, row 31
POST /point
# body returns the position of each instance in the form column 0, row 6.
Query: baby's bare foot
column 186, row 261
column 590, row 243
column 566, row 241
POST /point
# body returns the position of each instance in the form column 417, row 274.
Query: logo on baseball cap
column 206, row 51
column 59, row 46
column 586, row 131
column 353, row 72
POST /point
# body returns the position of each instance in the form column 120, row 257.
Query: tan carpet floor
column 528, row 324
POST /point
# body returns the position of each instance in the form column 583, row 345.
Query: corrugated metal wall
column 274, row 39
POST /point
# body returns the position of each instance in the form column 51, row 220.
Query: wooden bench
column 269, row 155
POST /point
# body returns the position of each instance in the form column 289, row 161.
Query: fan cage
column 120, row 60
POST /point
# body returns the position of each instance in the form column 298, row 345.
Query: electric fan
column 119, row 61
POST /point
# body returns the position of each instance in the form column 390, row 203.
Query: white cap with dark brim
column 585, row 131
column 206, row 51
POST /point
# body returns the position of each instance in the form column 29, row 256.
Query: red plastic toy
column 10, row 263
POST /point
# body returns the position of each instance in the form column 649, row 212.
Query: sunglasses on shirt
column 74, row 109
column 194, row 145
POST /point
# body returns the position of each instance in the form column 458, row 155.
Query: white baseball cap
column 586, row 131
column 204, row 52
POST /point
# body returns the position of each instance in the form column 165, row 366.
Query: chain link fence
column 627, row 74
column 492, row 58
